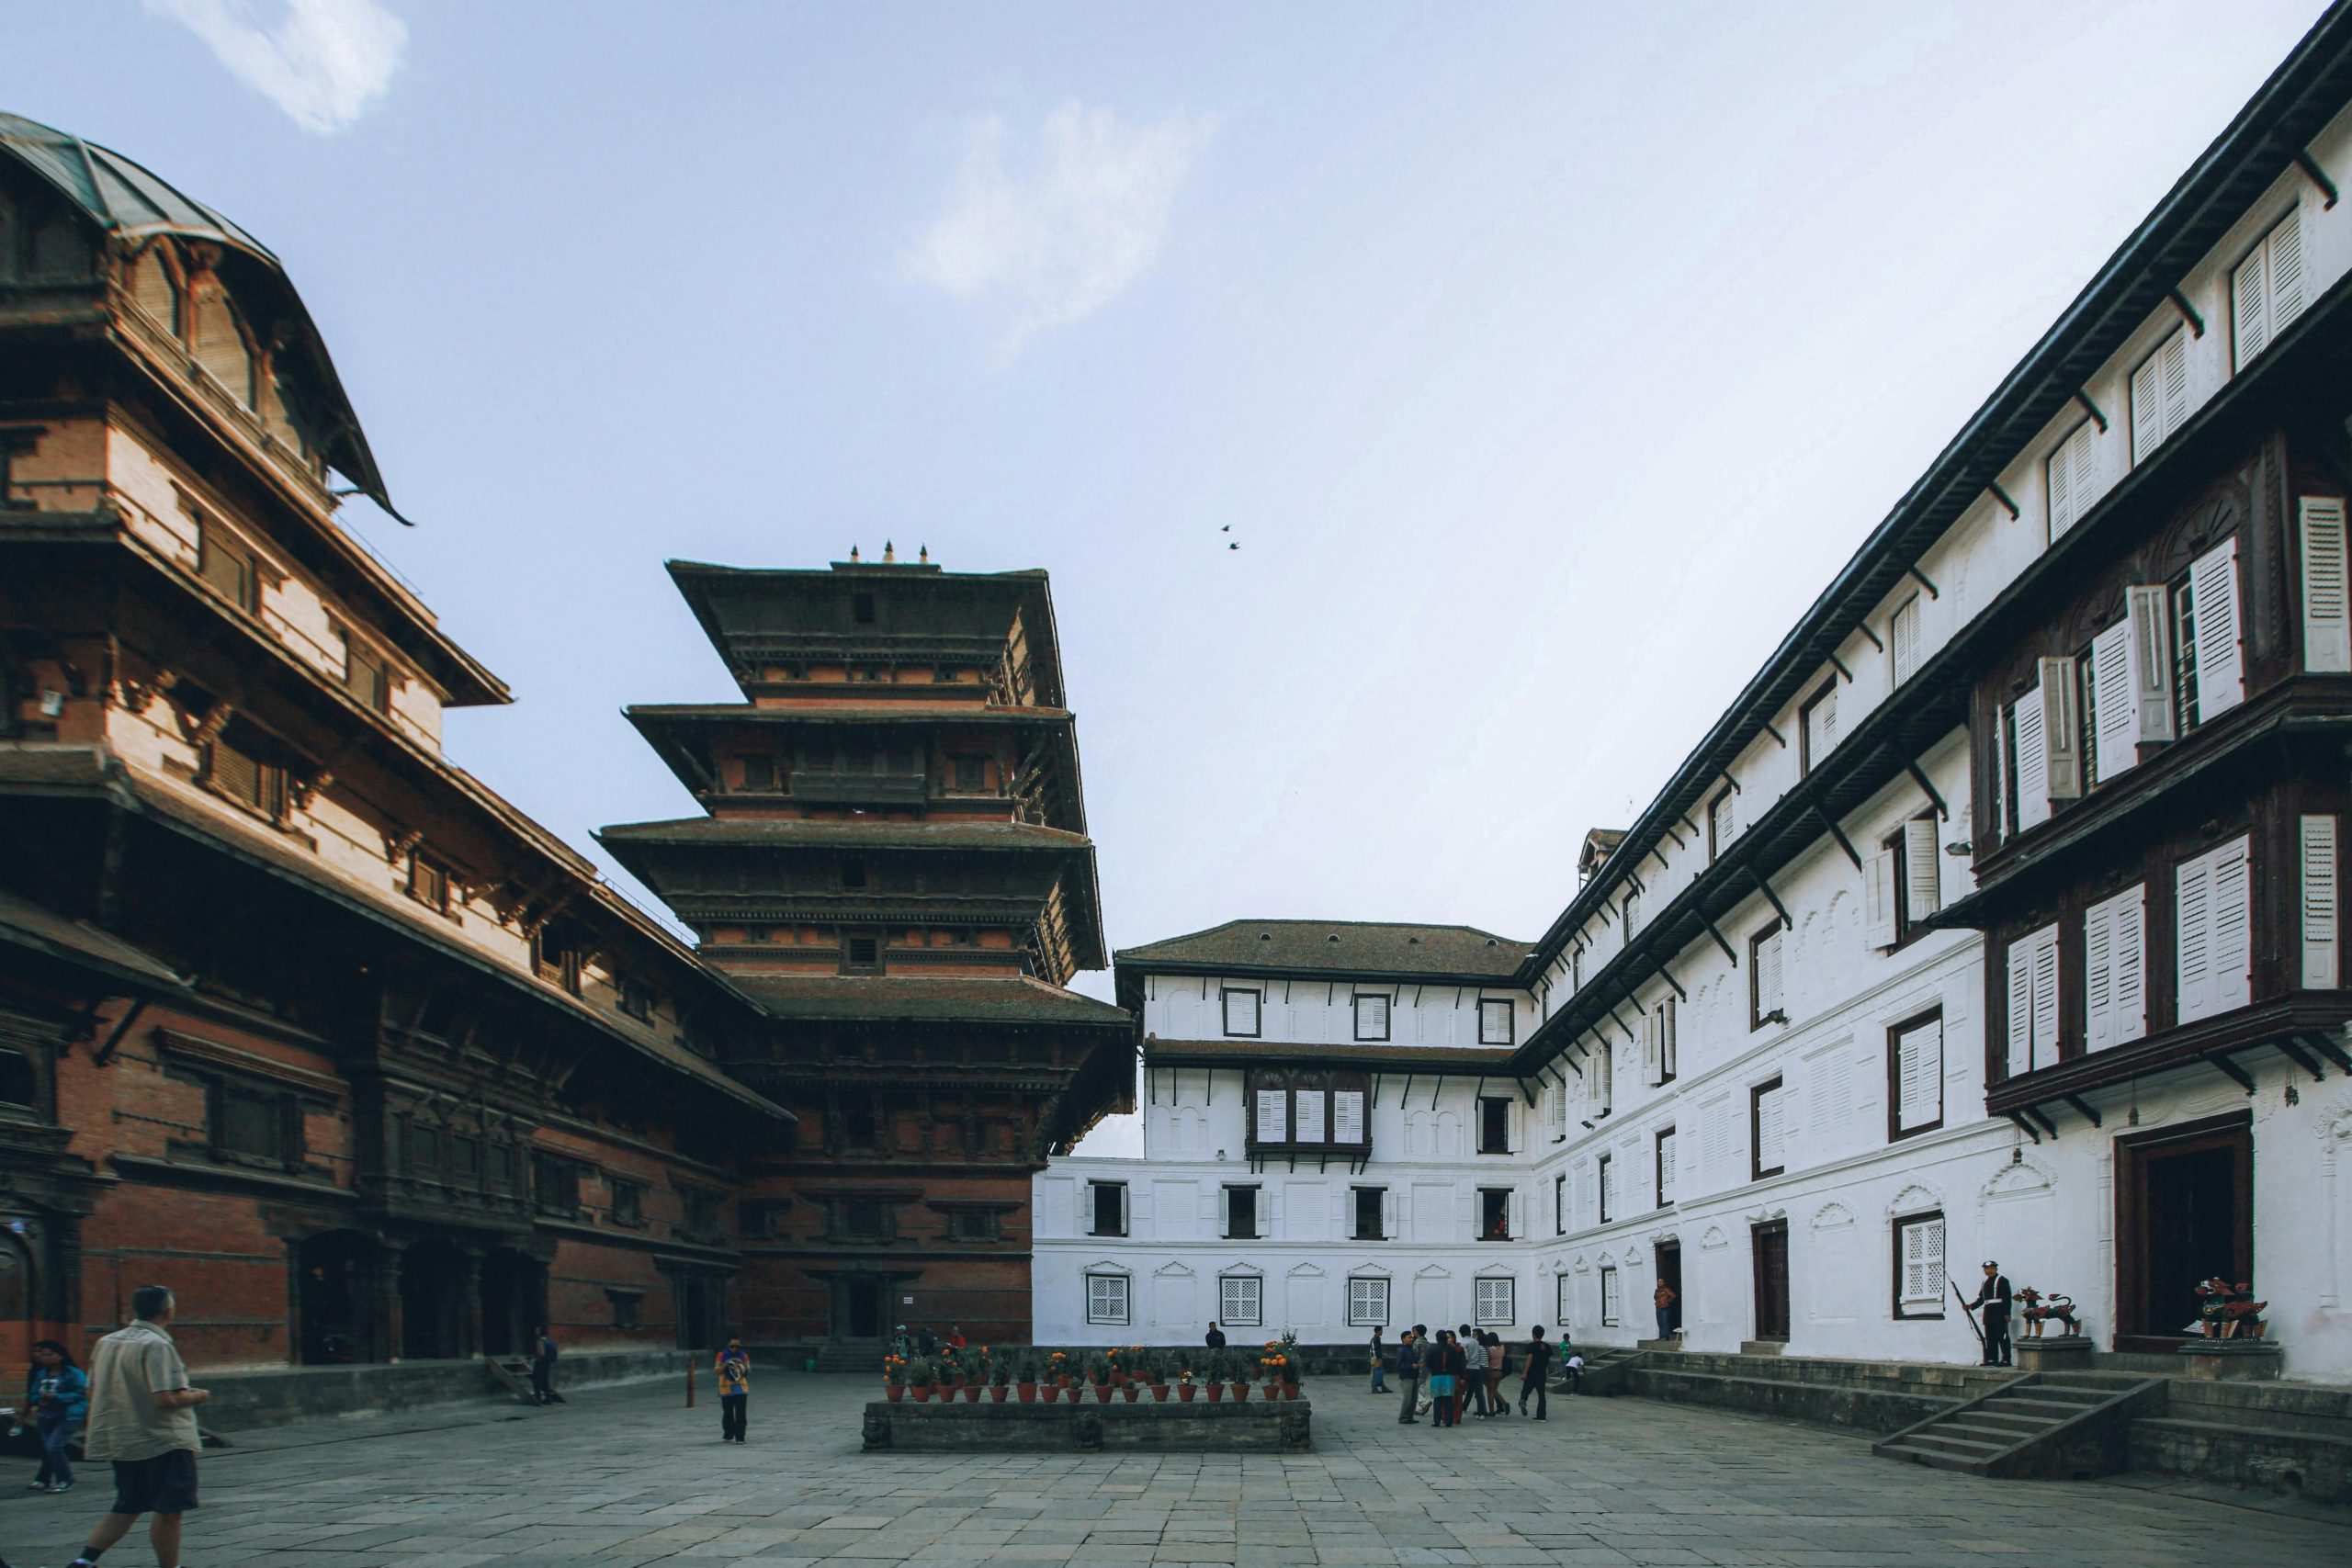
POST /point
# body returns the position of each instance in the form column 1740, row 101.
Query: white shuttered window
column 2074, row 478
column 1666, row 1168
column 1273, row 1121
column 2321, row 965
column 2266, row 289
column 1920, row 1245
column 1367, row 1303
column 2115, row 968
column 1239, row 1297
column 1767, row 975
column 2210, row 915
column 2032, row 761
column 1902, row 639
column 2220, row 661
column 1922, row 868
column 2327, row 633
column 1919, row 1075
column 1347, row 1116
column 2160, row 396
column 2033, row 1001
column 1241, row 1012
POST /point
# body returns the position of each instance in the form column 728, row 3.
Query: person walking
column 732, row 1371
column 142, row 1421
column 1379, row 1363
column 1216, row 1337
column 1408, row 1374
column 926, row 1342
column 1664, row 1298
column 1498, row 1361
column 57, row 1395
column 1445, row 1387
column 1534, row 1376
column 543, row 1354
column 1473, row 1369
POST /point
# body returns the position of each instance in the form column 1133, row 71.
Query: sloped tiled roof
column 894, row 998
column 1336, row 947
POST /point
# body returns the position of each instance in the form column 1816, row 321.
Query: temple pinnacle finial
column 923, row 556
column 889, row 552
column 852, row 554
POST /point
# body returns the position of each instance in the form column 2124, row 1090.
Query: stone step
column 1934, row 1457
column 2007, row 1421
column 1942, row 1440
column 2026, row 1405
column 1993, row 1428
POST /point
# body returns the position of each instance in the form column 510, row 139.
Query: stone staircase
column 2290, row 1438
column 2069, row 1425
column 1860, row 1397
column 1605, row 1369
column 850, row 1356
column 513, row 1374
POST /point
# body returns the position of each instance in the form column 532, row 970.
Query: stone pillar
column 468, row 1312
column 381, row 1292
column 2053, row 1353
column 2232, row 1360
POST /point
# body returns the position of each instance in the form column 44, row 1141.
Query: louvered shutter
column 2116, row 745
column 1265, row 1209
column 2073, row 482
column 2127, row 929
column 2320, row 962
column 1821, row 726
column 2327, row 636
column 1666, row 1012
column 1666, row 1173
column 2160, row 396
column 2045, row 997
column 1606, row 1078
column 2149, row 611
column 1770, row 1154
column 2193, row 928
column 1274, row 1126
column 2285, row 245
column 2061, row 733
column 2213, row 896
column 1653, row 1047
column 2020, row 1008
column 2033, row 760
column 2221, row 669
column 2099, row 978
column 1922, row 868
column 1878, row 899
column 2233, row 927
column 2059, row 471
column 1919, row 1067
column 1515, row 1221
column 2249, row 308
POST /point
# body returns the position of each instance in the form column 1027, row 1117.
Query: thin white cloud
column 323, row 62
column 1054, row 231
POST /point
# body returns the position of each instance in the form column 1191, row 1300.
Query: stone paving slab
column 625, row 1476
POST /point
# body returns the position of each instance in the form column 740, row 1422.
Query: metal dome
column 135, row 205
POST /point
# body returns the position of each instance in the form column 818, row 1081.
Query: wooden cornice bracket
column 399, row 846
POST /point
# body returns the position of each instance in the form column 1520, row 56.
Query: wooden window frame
column 13, row 443
column 1504, row 1194
column 1386, row 1294
column 1604, row 1166
column 1484, row 1100
column 1660, row 1166
column 849, row 963
column 1126, row 1294
column 211, row 537
column 1379, row 1214
column 1387, row 1014
column 429, row 882
column 1756, row 1093
column 1717, row 843
column 1756, row 1017
column 1609, row 1276
column 1257, row 1318
column 1094, row 1208
column 627, row 1205
column 1825, row 692
column 1894, row 1285
column 1226, row 1191
column 1509, row 1017
column 1917, row 608
column 1258, row 1011
column 1481, row 1288
column 283, row 1109
column 1895, row 1130
column 1560, row 1203
column 563, row 1172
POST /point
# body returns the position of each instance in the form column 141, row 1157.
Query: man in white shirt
column 143, row 1419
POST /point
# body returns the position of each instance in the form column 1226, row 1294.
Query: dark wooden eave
column 2304, row 1030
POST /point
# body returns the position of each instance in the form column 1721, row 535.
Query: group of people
column 925, row 1341
column 1464, row 1368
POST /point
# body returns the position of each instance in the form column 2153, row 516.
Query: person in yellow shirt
column 733, row 1370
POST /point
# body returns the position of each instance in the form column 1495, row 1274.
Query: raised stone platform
column 268, row 1396
column 1255, row 1426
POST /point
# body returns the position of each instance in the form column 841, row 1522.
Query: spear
column 1969, row 1312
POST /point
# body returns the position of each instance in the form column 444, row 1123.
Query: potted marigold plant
column 921, row 1375
column 894, row 1378
column 1098, row 1372
column 999, row 1378
column 1213, row 1374
column 1026, row 1379
column 1185, row 1387
column 1057, row 1365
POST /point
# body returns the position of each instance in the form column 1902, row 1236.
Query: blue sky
column 1543, row 360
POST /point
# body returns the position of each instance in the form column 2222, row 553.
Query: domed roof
column 135, row 205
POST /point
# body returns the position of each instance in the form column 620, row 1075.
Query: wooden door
column 1669, row 1274
column 1770, row 1246
column 2185, row 1212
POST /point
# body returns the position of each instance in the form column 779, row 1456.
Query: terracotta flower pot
column 997, row 1391
column 1159, row 1394
column 1216, row 1392
column 1061, row 1380
column 1184, row 1391
column 1290, row 1390
column 923, row 1393
column 1053, row 1394
column 971, row 1393
column 894, row 1392
column 1241, row 1394
column 1028, row 1393
column 1131, row 1392
column 1102, row 1393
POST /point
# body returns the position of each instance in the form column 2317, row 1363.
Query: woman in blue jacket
column 58, row 1395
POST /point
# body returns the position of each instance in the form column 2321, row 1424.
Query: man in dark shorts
column 143, row 1418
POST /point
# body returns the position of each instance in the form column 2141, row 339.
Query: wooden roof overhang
column 106, row 783
column 1885, row 743
column 2306, row 1028
column 684, row 736
column 1421, row 1060
column 2259, row 145
column 1028, row 591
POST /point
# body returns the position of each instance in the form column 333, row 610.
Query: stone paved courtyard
column 626, row 1475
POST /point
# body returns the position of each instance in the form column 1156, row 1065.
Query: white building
column 1997, row 919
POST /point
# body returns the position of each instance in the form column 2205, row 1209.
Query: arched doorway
column 334, row 1274
column 19, row 1297
column 436, row 1303
column 513, row 1300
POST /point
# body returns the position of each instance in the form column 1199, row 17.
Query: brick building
column 305, row 1020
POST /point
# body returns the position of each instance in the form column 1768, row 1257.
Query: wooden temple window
column 863, row 1219
column 759, row 773
column 861, row 954
column 367, row 676
column 627, row 1206
column 556, row 1184
column 700, row 1218
column 229, row 566
column 237, row 775
column 249, row 1124
column 636, row 999
column 19, row 1083
column 763, row 1221
column 975, row 1225
column 968, row 775
column 428, row 881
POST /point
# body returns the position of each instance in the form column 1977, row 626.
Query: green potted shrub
column 922, row 1374
column 1157, row 1365
column 1185, row 1387
column 894, row 1378
column 1026, row 1379
column 1213, row 1373
column 1098, row 1372
column 999, row 1377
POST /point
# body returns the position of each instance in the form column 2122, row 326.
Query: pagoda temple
column 893, row 864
